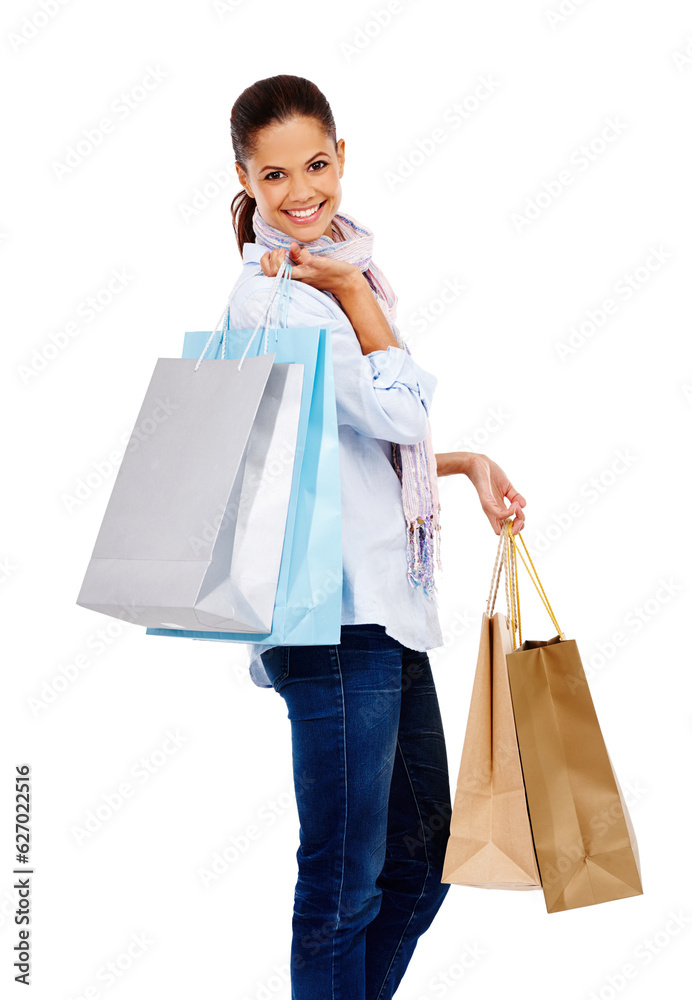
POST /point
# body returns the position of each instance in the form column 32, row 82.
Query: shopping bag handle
column 504, row 558
column 515, row 609
column 500, row 561
column 281, row 284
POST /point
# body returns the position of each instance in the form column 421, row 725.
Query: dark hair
column 275, row 99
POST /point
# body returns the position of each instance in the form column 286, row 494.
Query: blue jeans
column 373, row 797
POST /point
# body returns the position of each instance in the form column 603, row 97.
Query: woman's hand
column 350, row 286
column 319, row 270
column 493, row 486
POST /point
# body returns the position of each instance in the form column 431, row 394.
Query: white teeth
column 304, row 213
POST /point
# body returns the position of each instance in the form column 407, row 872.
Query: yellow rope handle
column 512, row 591
column 510, row 550
column 538, row 585
column 516, row 585
column 541, row 592
column 510, row 605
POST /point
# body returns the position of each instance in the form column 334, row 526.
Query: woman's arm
column 373, row 332
column 451, row 462
column 491, row 483
column 384, row 394
column 365, row 315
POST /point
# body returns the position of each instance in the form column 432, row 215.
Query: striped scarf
column 415, row 464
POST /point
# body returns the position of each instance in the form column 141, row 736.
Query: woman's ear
column 340, row 155
column 243, row 178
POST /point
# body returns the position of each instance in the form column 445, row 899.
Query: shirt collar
column 253, row 251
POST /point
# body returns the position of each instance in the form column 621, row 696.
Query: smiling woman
column 368, row 747
column 283, row 197
column 278, row 179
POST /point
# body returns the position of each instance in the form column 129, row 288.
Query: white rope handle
column 495, row 581
column 283, row 274
column 221, row 317
column 503, row 558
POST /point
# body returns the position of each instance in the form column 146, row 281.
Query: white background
column 609, row 537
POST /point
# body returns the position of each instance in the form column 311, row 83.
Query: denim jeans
column 373, row 797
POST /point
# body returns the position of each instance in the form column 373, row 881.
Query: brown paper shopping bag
column 490, row 844
column 585, row 843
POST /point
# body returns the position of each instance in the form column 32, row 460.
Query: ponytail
column 242, row 210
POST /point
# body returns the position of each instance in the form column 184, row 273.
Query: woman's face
column 296, row 169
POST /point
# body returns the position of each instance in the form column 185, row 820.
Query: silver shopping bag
column 193, row 533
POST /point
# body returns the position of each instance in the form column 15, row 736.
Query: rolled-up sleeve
column 384, row 394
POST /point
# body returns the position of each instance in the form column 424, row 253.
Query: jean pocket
column 275, row 663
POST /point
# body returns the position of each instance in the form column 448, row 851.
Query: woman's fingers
column 518, row 525
column 513, row 495
column 519, row 520
column 270, row 262
column 268, row 265
column 515, row 511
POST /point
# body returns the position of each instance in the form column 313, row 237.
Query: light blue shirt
column 381, row 397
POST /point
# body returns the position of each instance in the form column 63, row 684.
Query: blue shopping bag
column 309, row 592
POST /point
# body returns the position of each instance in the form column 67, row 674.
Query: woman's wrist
column 451, row 463
column 352, row 285
column 365, row 315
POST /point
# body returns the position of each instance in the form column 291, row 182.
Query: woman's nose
column 301, row 191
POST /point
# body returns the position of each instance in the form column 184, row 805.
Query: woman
column 369, row 758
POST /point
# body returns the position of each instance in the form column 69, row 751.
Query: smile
column 305, row 214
